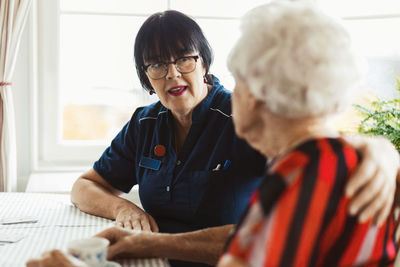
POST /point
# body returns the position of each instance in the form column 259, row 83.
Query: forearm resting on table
column 93, row 198
column 204, row 246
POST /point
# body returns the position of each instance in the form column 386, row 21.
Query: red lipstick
column 177, row 90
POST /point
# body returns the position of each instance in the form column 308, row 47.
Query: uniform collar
column 204, row 106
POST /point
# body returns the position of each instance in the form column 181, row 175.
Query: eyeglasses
column 159, row 70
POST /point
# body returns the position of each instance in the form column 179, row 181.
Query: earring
column 151, row 92
column 205, row 79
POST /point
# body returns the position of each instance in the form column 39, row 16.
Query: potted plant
column 382, row 118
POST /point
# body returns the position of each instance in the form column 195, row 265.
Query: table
column 59, row 221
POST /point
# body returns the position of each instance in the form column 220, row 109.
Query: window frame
column 51, row 151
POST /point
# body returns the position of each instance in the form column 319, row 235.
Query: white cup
column 92, row 251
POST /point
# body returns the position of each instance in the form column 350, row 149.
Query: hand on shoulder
column 372, row 186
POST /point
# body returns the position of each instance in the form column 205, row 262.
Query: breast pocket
column 212, row 197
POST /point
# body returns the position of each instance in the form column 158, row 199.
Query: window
column 88, row 87
column 87, row 80
column 373, row 25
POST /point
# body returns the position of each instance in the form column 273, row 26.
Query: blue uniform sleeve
column 117, row 163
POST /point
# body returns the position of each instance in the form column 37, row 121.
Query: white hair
column 296, row 59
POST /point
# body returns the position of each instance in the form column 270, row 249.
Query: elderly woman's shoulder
column 319, row 145
column 316, row 153
column 325, row 150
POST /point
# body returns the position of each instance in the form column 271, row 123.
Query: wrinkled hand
column 373, row 184
column 132, row 217
column 55, row 258
column 127, row 243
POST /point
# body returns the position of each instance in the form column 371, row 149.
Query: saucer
column 111, row 264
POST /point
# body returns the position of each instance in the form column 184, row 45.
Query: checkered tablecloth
column 58, row 222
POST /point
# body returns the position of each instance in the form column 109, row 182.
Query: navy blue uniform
column 209, row 184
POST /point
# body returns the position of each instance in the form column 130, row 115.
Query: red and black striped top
column 298, row 216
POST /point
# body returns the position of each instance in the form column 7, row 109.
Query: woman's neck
column 182, row 126
column 183, row 122
column 279, row 139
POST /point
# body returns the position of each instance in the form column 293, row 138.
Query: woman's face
column 243, row 113
column 251, row 119
column 178, row 92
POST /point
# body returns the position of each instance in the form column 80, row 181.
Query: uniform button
column 167, row 188
column 178, row 162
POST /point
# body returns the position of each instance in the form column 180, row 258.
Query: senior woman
column 294, row 69
column 194, row 174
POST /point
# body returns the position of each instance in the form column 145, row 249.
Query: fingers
column 382, row 211
column 114, row 234
column 109, row 234
column 383, row 214
column 146, row 225
column 360, row 177
column 132, row 225
column 55, row 258
column 115, row 249
column 365, row 195
column 112, row 251
column 374, row 200
column 33, row 263
column 153, row 224
column 372, row 185
column 134, row 218
column 144, row 222
column 375, row 205
column 65, row 260
column 129, row 225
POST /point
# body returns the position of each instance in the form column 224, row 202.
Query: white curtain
column 13, row 14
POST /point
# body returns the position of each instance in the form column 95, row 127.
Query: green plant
column 382, row 118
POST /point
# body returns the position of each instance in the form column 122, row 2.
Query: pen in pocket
column 219, row 166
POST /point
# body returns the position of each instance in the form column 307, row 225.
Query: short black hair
column 169, row 34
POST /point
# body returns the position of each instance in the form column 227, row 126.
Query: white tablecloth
column 58, row 222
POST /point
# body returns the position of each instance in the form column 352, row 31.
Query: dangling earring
column 205, row 79
column 151, row 92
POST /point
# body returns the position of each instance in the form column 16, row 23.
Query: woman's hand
column 373, row 184
column 132, row 217
column 55, row 258
column 127, row 243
